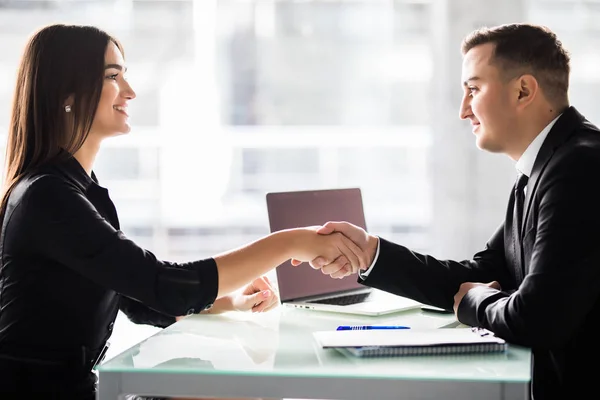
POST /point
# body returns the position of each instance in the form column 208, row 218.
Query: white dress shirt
column 523, row 166
column 525, row 163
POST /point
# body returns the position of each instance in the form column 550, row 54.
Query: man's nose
column 465, row 108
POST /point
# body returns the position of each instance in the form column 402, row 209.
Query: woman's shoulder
column 38, row 186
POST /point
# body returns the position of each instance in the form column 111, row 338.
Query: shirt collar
column 525, row 163
column 69, row 167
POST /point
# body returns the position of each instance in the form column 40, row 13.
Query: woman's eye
column 113, row 77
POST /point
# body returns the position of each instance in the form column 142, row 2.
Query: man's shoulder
column 585, row 141
column 581, row 152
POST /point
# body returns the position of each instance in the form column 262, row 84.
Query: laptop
column 304, row 287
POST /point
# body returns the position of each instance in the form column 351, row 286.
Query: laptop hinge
column 330, row 295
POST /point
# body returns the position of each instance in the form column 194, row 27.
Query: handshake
column 338, row 249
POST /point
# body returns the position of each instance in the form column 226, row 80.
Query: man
column 537, row 282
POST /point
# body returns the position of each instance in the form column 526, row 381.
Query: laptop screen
column 305, row 208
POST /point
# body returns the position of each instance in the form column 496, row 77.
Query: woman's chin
column 121, row 132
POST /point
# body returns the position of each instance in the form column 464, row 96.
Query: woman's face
column 111, row 116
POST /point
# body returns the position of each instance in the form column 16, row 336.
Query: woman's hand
column 333, row 250
column 258, row 296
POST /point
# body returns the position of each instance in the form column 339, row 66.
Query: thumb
column 495, row 285
column 328, row 228
column 295, row 262
column 257, row 298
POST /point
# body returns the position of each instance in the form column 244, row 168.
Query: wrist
column 288, row 240
column 221, row 305
column 371, row 249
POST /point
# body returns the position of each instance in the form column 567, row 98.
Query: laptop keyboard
column 343, row 300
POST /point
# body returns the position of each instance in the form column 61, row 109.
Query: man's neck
column 534, row 126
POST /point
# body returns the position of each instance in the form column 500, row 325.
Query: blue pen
column 368, row 327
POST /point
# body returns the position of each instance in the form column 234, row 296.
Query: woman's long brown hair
column 61, row 64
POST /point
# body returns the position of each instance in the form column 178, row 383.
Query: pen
column 367, row 327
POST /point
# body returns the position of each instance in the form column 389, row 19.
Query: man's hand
column 340, row 267
column 465, row 287
column 331, row 248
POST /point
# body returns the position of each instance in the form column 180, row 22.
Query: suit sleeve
column 431, row 281
column 562, row 285
column 69, row 230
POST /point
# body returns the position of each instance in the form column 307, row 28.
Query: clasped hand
column 466, row 286
column 341, row 249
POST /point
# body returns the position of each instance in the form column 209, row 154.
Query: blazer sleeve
column 142, row 315
column 68, row 229
column 428, row 280
column 562, row 285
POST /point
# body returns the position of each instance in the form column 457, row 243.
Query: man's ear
column 527, row 89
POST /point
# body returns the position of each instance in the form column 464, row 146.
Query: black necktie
column 519, row 200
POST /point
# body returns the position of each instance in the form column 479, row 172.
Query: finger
column 261, row 300
column 273, row 303
column 318, row 263
column 343, row 272
column 495, row 285
column 249, row 289
column 335, row 266
column 295, row 262
column 352, row 252
column 267, row 303
column 326, row 229
column 260, row 284
column 332, row 269
column 335, row 226
column 272, row 306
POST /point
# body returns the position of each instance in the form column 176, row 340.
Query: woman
column 66, row 268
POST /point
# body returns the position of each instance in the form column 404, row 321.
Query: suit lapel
column 560, row 132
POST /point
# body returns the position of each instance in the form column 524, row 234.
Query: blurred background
column 237, row 98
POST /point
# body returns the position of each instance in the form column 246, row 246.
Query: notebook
column 306, row 288
column 407, row 342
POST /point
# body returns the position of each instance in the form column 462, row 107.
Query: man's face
column 488, row 101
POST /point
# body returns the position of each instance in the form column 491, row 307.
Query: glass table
column 274, row 355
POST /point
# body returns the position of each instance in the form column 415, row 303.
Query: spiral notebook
column 407, row 342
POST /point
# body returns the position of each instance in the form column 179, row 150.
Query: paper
column 404, row 337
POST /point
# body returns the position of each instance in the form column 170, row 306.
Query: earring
column 67, row 108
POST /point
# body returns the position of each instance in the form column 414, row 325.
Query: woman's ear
column 68, row 103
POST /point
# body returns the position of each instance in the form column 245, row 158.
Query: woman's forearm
column 238, row 267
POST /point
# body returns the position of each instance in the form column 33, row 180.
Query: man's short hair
column 527, row 49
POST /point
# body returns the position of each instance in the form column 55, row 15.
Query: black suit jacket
column 551, row 303
column 66, row 269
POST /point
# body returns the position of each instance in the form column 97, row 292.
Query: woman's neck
column 86, row 155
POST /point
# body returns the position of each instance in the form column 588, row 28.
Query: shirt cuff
column 364, row 274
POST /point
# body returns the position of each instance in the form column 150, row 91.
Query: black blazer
column 66, row 269
column 551, row 303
